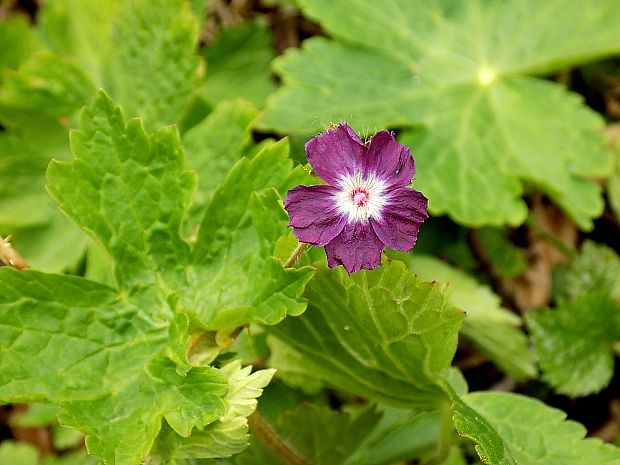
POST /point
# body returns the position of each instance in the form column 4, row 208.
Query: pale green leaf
column 237, row 280
column 322, row 86
column 291, row 367
column 382, row 334
column 17, row 453
column 152, row 70
column 128, row 189
column 492, row 328
column 40, row 233
column 487, row 127
column 43, row 314
column 17, row 42
column 511, row 429
column 46, row 83
column 214, row 145
column 400, row 434
column 155, row 393
column 229, row 434
column 574, row 342
column 238, row 63
column 54, row 247
column 595, row 269
column 81, row 30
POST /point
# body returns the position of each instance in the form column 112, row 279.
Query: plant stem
column 272, row 441
column 444, row 443
column 299, row 250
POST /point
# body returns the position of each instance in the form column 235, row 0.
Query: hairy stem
column 299, row 250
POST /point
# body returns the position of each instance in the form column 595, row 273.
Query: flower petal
column 401, row 219
column 336, row 153
column 314, row 214
column 356, row 247
column 390, row 161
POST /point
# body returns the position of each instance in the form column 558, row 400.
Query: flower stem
column 299, row 250
column 444, row 443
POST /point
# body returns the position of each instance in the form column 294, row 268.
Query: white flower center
column 361, row 198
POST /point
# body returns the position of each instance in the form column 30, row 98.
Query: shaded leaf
column 574, row 343
column 492, row 328
column 382, row 334
column 513, row 429
column 238, row 63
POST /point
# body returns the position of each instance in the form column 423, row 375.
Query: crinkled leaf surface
column 152, row 69
column 511, row 429
column 574, row 343
column 492, row 328
column 214, row 145
column 109, row 44
column 488, row 126
column 158, row 391
column 238, row 63
column 595, row 269
column 229, row 434
column 43, row 314
column 382, row 334
column 128, row 190
column 237, row 279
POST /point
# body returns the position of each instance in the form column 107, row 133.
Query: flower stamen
column 361, row 197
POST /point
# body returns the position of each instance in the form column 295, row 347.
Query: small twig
column 292, row 259
column 9, row 256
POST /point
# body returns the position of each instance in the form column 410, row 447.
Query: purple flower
column 366, row 203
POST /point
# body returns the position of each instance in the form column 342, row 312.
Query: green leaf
column 81, row 30
column 157, row 392
column 214, row 145
column 381, row 334
column 492, row 328
column 504, row 257
column 487, row 126
column 229, row 434
column 511, row 429
column 574, row 343
column 46, row 83
column 40, row 233
column 238, row 63
column 43, row 314
column 237, row 279
column 309, row 434
column 595, row 269
column 17, row 453
column 17, row 42
column 155, row 39
column 401, row 434
column 129, row 190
